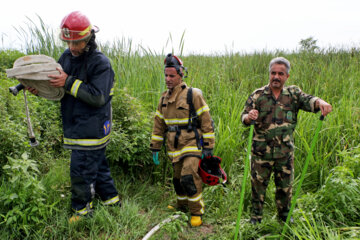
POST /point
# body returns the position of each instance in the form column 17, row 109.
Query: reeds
column 226, row 81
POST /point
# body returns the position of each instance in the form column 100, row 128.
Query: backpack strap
column 162, row 102
column 192, row 112
column 193, row 118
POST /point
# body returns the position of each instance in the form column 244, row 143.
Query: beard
column 75, row 53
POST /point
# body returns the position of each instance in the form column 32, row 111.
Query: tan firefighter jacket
column 171, row 119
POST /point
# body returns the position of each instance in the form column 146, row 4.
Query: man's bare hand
column 58, row 80
column 252, row 116
column 325, row 107
column 32, row 90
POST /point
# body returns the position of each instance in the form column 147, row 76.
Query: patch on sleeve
column 249, row 101
column 289, row 115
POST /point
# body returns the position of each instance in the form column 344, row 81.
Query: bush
column 47, row 125
column 12, row 123
column 22, row 197
column 131, row 132
column 337, row 202
column 45, row 119
column 7, row 58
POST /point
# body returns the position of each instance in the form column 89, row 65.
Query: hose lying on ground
column 157, row 227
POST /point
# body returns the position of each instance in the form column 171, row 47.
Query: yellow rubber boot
column 171, row 207
column 195, row 221
column 74, row 219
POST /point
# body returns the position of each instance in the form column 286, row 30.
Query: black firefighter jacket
column 86, row 106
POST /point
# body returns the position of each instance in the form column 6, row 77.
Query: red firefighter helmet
column 210, row 170
column 76, row 27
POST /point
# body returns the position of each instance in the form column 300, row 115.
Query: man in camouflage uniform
column 274, row 108
column 186, row 140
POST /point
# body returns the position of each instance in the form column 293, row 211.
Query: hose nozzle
column 16, row 89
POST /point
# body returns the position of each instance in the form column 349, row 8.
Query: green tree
column 308, row 44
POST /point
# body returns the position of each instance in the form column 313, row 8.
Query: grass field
column 35, row 183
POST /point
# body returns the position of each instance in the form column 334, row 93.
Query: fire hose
column 33, row 142
column 32, row 71
column 157, row 227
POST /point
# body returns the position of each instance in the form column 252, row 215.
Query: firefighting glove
column 155, row 155
column 207, row 152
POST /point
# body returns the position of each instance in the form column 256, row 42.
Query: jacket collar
column 284, row 91
column 171, row 95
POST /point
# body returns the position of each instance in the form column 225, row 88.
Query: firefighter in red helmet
column 75, row 27
column 183, row 120
column 88, row 79
column 77, row 31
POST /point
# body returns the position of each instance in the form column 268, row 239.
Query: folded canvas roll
column 33, row 70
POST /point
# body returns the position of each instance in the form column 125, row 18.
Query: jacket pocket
column 87, row 127
column 182, row 110
column 288, row 143
column 259, row 148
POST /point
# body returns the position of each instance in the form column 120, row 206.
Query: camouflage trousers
column 261, row 170
column 188, row 185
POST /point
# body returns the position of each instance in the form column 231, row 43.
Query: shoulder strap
column 193, row 118
column 192, row 112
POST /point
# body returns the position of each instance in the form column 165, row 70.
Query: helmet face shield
column 68, row 35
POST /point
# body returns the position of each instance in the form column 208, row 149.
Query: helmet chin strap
column 186, row 72
column 88, row 46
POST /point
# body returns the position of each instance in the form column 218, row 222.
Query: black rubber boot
column 283, row 218
column 255, row 221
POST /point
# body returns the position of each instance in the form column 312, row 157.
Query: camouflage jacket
column 273, row 134
column 172, row 112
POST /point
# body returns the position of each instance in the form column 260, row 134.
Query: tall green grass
column 226, row 81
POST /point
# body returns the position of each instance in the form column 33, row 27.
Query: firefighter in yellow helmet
column 183, row 120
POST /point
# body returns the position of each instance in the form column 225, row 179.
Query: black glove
column 207, row 152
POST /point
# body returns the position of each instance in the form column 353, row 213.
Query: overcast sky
column 210, row 26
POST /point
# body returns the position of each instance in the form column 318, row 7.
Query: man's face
column 76, row 48
column 172, row 78
column 278, row 76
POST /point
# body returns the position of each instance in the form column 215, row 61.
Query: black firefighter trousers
column 90, row 174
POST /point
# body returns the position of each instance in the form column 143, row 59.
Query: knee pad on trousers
column 187, row 182
column 178, row 188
